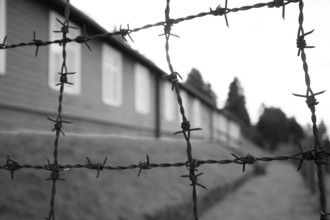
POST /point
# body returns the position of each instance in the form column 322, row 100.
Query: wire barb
column 192, row 167
column 11, row 166
column 3, row 44
column 83, row 39
column 55, row 168
column 173, row 77
column 277, row 4
column 125, row 32
column 301, row 42
column 65, row 26
column 186, row 128
column 96, row 166
column 167, row 29
column 37, row 43
column 58, row 124
column 144, row 165
column 310, row 99
column 219, row 11
column 248, row 159
column 64, row 78
column 317, row 155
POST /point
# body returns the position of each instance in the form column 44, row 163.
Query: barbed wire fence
column 316, row 154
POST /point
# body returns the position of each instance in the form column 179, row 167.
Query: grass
column 115, row 194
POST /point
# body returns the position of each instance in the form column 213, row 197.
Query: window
column 223, row 127
column 142, row 89
column 112, row 72
column 185, row 102
column 2, row 36
column 197, row 113
column 73, row 59
column 234, row 131
column 169, row 102
column 222, row 123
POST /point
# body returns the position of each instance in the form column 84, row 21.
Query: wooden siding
column 25, row 81
column 169, row 127
column 26, row 98
column 25, row 86
column 227, row 129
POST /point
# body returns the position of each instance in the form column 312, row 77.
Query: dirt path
column 279, row 195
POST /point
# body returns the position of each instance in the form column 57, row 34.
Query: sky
column 259, row 48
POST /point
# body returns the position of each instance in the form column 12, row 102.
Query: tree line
column 273, row 126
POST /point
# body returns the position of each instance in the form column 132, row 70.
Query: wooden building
column 116, row 90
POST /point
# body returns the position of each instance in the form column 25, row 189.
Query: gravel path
column 280, row 194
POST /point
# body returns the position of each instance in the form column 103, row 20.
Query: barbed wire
column 54, row 167
column 12, row 165
column 123, row 32
column 311, row 103
column 317, row 154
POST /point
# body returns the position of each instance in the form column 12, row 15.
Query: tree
column 324, row 140
column 235, row 103
column 195, row 80
column 273, row 127
column 322, row 131
column 296, row 132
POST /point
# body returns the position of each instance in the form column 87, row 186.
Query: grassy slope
column 115, row 194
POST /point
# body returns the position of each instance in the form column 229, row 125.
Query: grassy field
column 115, row 194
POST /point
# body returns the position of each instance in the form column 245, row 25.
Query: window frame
column 197, row 112
column 169, row 102
column 142, row 89
column 3, row 31
column 109, row 53
column 234, row 130
column 55, row 49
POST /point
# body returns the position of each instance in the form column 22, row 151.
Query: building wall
column 169, row 109
column 228, row 130
column 207, row 122
column 234, row 133
column 222, row 134
column 197, row 113
column 26, row 99
column 25, row 84
column 25, row 81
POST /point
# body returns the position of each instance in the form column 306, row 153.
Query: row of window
column 112, row 70
column 112, row 73
column 112, row 77
column 171, row 108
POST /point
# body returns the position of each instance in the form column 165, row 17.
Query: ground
column 280, row 194
column 116, row 194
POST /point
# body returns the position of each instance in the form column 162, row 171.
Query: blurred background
column 237, row 85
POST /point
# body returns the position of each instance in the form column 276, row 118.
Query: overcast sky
column 259, row 48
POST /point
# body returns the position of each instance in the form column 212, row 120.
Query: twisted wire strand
column 311, row 102
column 186, row 127
column 55, row 170
column 12, row 165
column 123, row 32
